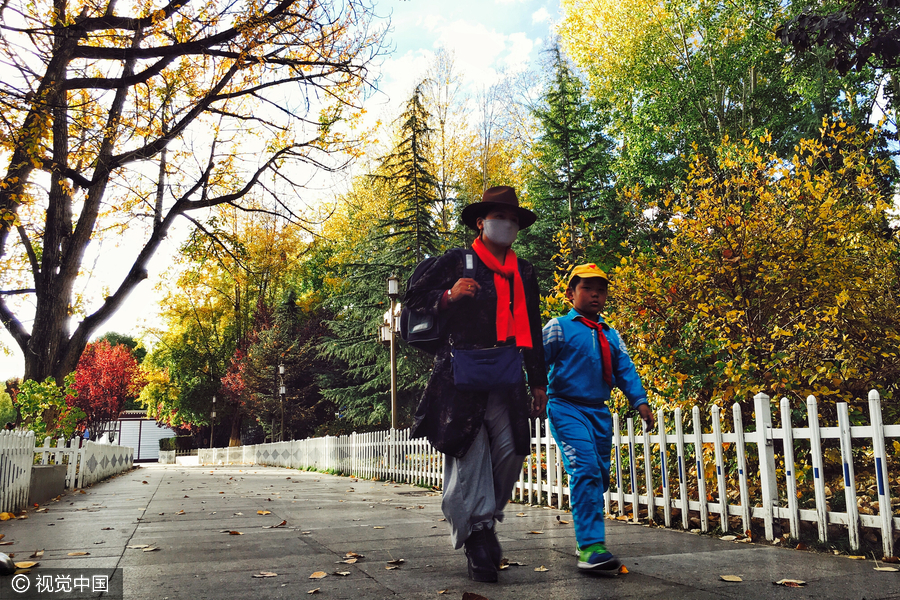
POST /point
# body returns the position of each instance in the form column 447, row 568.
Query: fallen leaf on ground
column 78, row 553
column 515, row 563
column 232, row 532
column 37, row 554
column 733, row 578
column 150, row 549
column 541, row 569
column 354, row 555
column 180, row 512
column 728, row 538
column 348, row 561
column 107, row 528
column 396, row 561
column 138, row 546
column 264, row 512
column 262, row 574
column 11, row 543
column 802, row 546
column 521, row 515
column 144, row 482
column 341, row 573
column 853, row 557
column 318, row 575
column 790, row 582
column 315, row 591
column 391, row 567
column 536, row 532
column 282, row 524
column 26, row 564
column 623, row 570
column 888, row 569
column 890, row 559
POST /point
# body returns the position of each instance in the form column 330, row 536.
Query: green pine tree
column 571, row 184
column 392, row 246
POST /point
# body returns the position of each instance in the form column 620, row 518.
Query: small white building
column 134, row 429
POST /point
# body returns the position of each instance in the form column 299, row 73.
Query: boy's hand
column 647, row 416
column 539, row 404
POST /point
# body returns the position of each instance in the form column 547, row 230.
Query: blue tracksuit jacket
column 575, row 365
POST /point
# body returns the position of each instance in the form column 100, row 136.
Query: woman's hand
column 465, row 287
column 539, row 402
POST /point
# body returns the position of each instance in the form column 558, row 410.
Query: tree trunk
column 235, row 438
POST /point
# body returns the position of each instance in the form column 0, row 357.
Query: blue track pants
column 584, row 433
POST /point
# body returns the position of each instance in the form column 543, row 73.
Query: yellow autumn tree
column 781, row 275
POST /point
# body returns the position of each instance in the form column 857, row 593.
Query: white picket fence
column 16, row 458
column 86, row 464
column 646, row 466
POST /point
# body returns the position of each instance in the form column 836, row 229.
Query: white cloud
column 541, row 16
column 518, row 56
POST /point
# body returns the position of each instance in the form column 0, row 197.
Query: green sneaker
column 597, row 558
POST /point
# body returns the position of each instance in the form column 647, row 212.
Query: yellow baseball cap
column 588, row 270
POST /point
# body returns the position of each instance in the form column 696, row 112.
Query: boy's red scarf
column 517, row 321
column 606, row 357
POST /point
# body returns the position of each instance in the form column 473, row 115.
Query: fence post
column 790, row 475
column 664, row 467
column 701, row 470
column 849, row 475
column 884, row 492
column 682, row 475
column 720, row 468
column 617, row 442
column 742, row 466
column 766, row 449
column 815, row 448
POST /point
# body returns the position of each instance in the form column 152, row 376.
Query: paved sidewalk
column 183, row 511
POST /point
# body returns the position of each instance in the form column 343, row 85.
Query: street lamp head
column 393, row 283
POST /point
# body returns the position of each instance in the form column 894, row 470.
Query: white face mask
column 501, row 231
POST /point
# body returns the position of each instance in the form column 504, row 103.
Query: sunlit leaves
column 778, row 277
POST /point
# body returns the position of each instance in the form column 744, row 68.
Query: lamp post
column 281, row 391
column 212, row 421
column 393, row 290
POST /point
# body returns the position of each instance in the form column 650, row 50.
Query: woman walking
column 476, row 406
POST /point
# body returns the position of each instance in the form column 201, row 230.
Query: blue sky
column 486, row 36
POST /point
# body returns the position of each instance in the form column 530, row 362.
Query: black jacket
column 449, row 418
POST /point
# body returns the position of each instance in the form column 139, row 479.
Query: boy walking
column 585, row 359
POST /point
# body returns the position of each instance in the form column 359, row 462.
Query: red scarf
column 604, row 348
column 515, row 323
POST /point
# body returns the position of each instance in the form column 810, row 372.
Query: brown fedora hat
column 501, row 196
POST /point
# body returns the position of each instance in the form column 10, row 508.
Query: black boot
column 481, row 565
column 493, row 545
